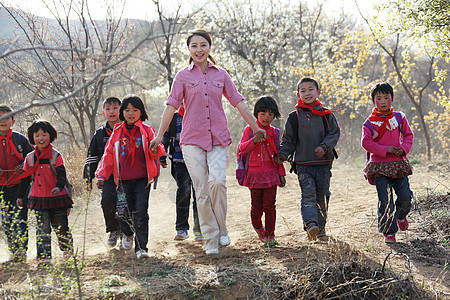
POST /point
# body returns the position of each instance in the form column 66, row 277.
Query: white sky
column 145, row 9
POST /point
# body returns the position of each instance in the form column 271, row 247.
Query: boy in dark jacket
column 311, row 133
column 13, row 148
column 109, row 196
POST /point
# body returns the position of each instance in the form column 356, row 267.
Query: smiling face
column 265, row 118
column 383, row 101
column 199, row 49
column 41, row 139
column 131, row 114
column 308, row 92
column 111, row 112
column 5, row 124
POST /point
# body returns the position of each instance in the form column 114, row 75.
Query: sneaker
column 198, row 236
column 322, row 233
column 211, row 246
column 389, row 239
column 402, row 224
column 181, row 235
column 43, row 262
column 224, row 240
column 261, row 233
column 312, row 231
column 270, row 242
column 127, row 242
column 212, row 251
column 112, row 239
column 142, row 254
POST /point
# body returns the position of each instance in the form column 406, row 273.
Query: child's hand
column 164, row 164
column 257, row 139
column 278, row 160
column 68, row 211
column 319, row 152
column 260, row 135
column 18, row 170
column 19, row 202
column 89, row 186
column 100, row 183
column 282, row 181
column 55, row 191
column 395, row 150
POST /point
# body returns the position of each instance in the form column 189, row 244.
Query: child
column 48, row 197
column 13, row 148
column 205, row 136
column 171, row 142
column 388, row 138
column 128, row 155
column 311, row 133
column 263, row 175
column 109, row 196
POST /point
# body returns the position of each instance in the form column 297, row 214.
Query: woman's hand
column 155, row 143
column 19, row 202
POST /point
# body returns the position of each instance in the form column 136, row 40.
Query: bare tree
column 63, row 55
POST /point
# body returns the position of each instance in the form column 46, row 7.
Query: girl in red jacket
column 48, row 197
column 128, row 155
column 263, row 175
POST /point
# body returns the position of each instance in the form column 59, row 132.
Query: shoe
column 261, row 233
column 312, row 231
column 112, row 239
column 198, row 236
column 43, row 262
column 270, row 242
column 127, row 242
column 322, row 233
column 212, row 251
column 181, row 235
column 211, row 246
column 68, row 254
column 402, row 224
column 389, row 238
column 224, row 240
column 142, row 254
column 20, row 256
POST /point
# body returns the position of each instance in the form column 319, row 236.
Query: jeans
column 388, row 210
column 136, row 217
column 108, row 202
column 315, row 185
column 45, row 221
column 14, row 219
column 184, row 187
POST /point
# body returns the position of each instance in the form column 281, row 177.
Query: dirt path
column 351, row 220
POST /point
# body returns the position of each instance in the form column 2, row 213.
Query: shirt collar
column 192, row 65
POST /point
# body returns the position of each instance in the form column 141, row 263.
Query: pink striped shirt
column 204, row 122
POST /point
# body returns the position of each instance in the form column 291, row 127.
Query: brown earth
column 354, row 262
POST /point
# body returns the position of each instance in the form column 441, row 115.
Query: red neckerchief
column 381, row 116
column 45, row 154
column 315, row 111
column 132, row 145
column 10, row 145
column 181, row 111
column 270, row 133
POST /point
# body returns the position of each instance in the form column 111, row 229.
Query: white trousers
column 208, row 173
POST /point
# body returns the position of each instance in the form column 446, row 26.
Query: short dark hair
column 6, row 109
column 112, row 100
column 381, row 88
column 45, row 126
column 307, row 79
column 266, row 103
column 136, row 102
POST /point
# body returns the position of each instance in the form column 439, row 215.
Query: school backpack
column 68, row 187
column 369, row 125
column 242, row 163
